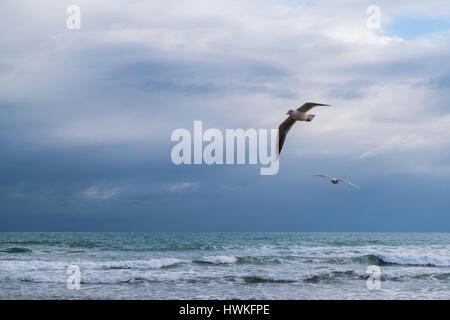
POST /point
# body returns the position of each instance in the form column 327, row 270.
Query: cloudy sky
column 86, row 115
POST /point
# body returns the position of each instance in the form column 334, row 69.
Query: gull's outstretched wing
column 348, row 182
column 309, row 105
column 322, row 175
column 283, row 130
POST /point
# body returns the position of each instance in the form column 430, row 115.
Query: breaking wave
column 217, row 260
column 309, row 278
column 269, row 279
column 238, row 260
column 104, row 279
column 37, row 265
column 405, row 259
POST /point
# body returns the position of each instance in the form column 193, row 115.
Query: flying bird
column 295, row 115
column 336, row 180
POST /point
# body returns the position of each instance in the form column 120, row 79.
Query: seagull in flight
column 336, row 180
column 295, row 115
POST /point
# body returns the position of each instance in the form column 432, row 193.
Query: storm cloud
column 86, row 115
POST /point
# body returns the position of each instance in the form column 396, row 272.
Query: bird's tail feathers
column 310, row 117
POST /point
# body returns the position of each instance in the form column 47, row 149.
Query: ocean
column 224, row 265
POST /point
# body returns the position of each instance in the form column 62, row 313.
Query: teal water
column 224, row 265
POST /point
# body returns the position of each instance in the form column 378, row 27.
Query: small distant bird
column 295, row 115
column 336, row 180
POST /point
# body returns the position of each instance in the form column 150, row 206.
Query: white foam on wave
column 32, row 265
column 404, row 255
column 274, row 278
column 138, row 264
column 416, row 258
column 62, row 279
column 38, row 265
column 218, row 259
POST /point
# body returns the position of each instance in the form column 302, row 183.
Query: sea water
column 224, row 265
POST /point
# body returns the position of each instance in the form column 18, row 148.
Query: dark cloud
column 440, row 83
column 201, row 78
column 86, row 118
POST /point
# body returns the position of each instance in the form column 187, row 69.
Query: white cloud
column 181, row 186
column 95, row 192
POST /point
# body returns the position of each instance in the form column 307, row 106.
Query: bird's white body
column 334, row 180
column 295, row 115
column 300, row 116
